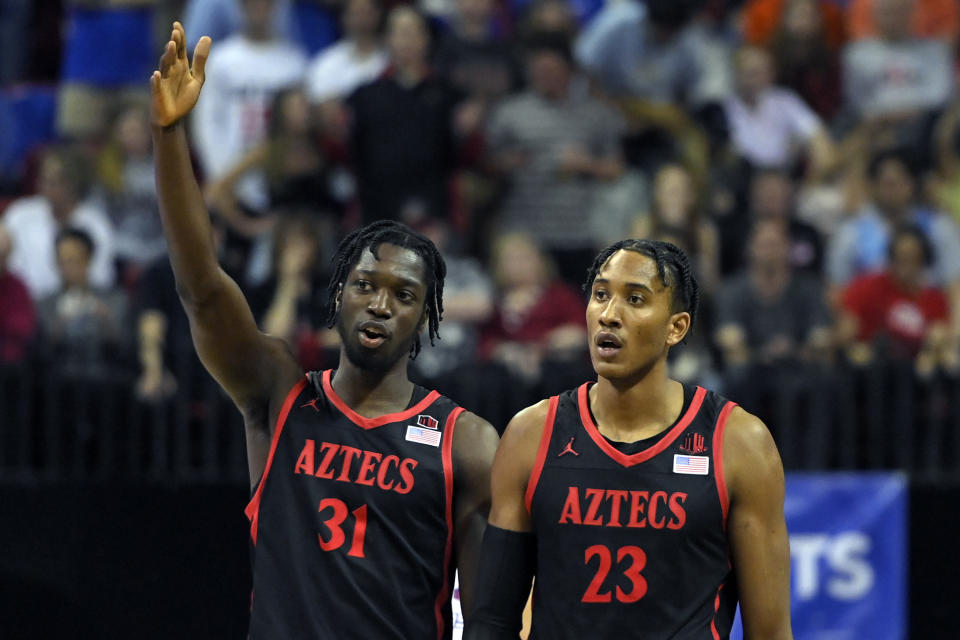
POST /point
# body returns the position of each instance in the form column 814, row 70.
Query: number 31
column 334, row 525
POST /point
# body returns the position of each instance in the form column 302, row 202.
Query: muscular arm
column 250, row 366
column 474, row 444
column 505, row 585
column 756, row 527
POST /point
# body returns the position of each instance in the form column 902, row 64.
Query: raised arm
column 474, row 444
column 250, row 366
column 508, row 554
column 756, row 527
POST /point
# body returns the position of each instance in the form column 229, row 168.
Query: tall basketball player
column 368, row 491
column 646, row 508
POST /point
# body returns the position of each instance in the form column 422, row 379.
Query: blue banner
column 848, row 550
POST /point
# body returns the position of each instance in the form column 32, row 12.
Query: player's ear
column 338, row 299
column 679, row 326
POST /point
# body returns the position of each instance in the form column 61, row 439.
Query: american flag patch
column 423, row 436
column 694, row 465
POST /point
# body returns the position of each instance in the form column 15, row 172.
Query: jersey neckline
column 628, row 460
column 372, row 423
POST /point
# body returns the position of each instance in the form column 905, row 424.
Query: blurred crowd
column 805, row 153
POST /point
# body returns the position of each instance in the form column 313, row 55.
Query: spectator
column 404, row 137
column 291, row 158
column 642, row 49
column 894, row 79
column 467, row 304
column 772, row 196
column 861, row 244
column 761, row 20
column 555, row 149
column 769, row 320
column 536, row 318
column 291, row 304
column 549, row 16
column 926, row 19
column 676, row 216
column 108, row 51
column 125, row 168
column 473, row 57
column 355, row 60
column 34, row 221
column 770, row 126
column 243, row 75
column 83, row 326
column 896, row 311
column 221, row 19
column 806, row 57
column 18, row 319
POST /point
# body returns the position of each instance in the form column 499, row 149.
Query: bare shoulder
column 523, row 434
column 750, row 455
column 474, row 440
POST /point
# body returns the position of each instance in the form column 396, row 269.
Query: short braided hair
column 389, row 232
column 673, row 267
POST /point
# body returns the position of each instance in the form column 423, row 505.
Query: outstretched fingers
column 200, row 54
column 168, row 58
column 179, row 36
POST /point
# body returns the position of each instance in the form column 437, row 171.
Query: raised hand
column 175, row 87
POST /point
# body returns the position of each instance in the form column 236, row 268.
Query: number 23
column 638, row 585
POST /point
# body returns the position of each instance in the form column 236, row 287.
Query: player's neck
column 638, row 410
column 373, row 393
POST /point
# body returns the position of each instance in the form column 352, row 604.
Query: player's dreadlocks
column 673, row 266
column 371, row 237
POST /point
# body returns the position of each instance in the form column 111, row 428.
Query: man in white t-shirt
column 33, row 223
column 358, row 58
column 771, row 126
column 244, row 73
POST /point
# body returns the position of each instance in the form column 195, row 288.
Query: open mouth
column 608, row 344
column 372, row 335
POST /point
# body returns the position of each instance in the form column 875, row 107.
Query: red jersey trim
column 541, row 451
column 443, row 597
column 372, row 423
column 721, row 481
column 716, row 610
column 641, row 456
column 253, row 507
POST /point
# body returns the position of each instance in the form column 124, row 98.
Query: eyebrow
column 628, row 285
column 406, row 282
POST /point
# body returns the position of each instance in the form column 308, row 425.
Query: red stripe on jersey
column 443, row 598
column 718, row 459
column 641, row 456
column 716, row 609
column 253, row 507
column 542, row 451
column 372, row 423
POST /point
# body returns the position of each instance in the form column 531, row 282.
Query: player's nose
column 380, row 304
column 610, row 313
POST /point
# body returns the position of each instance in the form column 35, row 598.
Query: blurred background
column 805, row 153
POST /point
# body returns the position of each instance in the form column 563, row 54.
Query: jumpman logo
column 568, row 449
column 312, row 403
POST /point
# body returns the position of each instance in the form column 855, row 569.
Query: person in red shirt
column 537, row 317
column 18, row 318
column 896, row 310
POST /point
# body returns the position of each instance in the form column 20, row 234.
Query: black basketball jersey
column 351, row 524
column 632, row 545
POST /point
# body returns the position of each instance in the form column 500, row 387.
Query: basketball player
column 645, row 507
column 368, row 490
